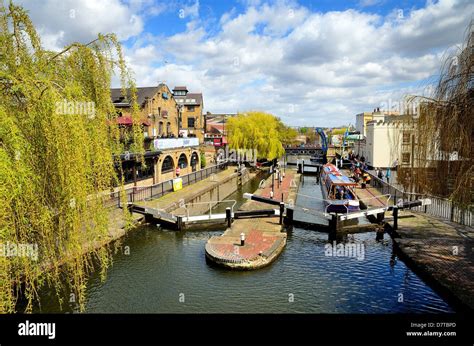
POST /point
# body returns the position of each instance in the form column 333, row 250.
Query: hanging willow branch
column 445, row 131
column 55, row 166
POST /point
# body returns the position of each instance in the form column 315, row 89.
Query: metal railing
column 143, row 193
column 439, row 207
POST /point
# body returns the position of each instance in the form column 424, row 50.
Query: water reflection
column 166, row 265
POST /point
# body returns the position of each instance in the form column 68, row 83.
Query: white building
column 390, row 138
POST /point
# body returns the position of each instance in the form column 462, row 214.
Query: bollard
column 289, row 216
column 282, row 209
column 179, row 222
column 228, row 217
column 395, row 218
column 271, row 194
column 242, row 239
column 333, row 223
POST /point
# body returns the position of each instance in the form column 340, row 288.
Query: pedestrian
column 380, row 174
column 387, row 175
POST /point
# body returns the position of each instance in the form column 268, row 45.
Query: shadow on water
column 166, row 271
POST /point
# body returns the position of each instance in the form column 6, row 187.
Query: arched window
column 160, row 128
column 168, row 128
column 194, row 160
column 183, row 161
column 168, row 165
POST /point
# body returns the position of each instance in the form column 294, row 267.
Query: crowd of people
column 360, row 169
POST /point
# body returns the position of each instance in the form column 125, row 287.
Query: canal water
column 166, row 272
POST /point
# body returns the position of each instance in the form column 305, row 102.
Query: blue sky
column 308, row 62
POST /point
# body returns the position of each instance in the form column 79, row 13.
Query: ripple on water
column 163, row 266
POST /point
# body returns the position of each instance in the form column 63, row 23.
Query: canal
column 166, row 272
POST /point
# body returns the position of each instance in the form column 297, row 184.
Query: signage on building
column 177, row 184
column 169, row 143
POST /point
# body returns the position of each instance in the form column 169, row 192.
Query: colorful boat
column 337, row 190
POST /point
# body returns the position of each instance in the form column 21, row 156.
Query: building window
column 406, row 158
column 406, row 138
column 160, row 128
column 191, row 122
column 168, row 165
column 164, row 95
column 190, row 108
column 142, row 172
column 183, row 161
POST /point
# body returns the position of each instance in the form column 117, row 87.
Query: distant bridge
column 307, row 150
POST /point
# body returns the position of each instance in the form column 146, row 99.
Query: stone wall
column 217, row 191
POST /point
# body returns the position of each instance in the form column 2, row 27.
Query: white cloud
column 62, row 22
column 307, row 67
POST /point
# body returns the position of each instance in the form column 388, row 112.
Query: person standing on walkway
column 387, row 175
column 379, row 174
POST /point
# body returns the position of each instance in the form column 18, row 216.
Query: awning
column 127, row 121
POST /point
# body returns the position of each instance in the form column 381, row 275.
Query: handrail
column 210, row 205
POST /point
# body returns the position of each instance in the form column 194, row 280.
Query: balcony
column 171, row 143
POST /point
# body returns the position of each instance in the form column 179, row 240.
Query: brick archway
column 195, row 160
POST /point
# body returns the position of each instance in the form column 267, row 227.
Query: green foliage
column 261, row 131
column 55, row 166
column 286, row 134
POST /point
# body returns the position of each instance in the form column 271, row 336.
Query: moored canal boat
column 337, row 190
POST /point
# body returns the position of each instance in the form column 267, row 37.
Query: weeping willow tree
column 257, row 130
column 443, row 160
column 56, row 159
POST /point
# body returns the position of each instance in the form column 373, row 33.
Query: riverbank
column 118, row 222
column 264, row 239
column 441, row 252
column 215, row 188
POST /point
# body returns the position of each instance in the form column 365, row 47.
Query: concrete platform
column 264, row 239
column 440, row 251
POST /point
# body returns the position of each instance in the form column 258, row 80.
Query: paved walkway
column 370, row 196
column 440, row 249
column 264, row 239
column 171, row 200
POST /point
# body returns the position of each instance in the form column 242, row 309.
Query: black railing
column 439, row 207
column 141, row 193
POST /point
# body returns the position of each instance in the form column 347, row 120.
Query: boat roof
column 341, row 180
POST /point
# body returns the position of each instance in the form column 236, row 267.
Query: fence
column 141, row 193
column 439, row 207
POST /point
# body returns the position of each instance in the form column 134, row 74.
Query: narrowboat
column 337, row 190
